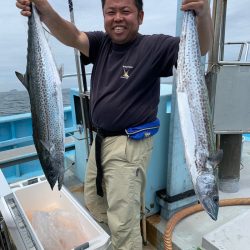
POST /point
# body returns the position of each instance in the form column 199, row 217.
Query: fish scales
column 195, row 117
column 43, row 83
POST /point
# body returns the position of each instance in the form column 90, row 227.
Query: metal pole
column 78, row 68
column 213, row 54
column 223, row 28
column 229, row 169
column 213, row 66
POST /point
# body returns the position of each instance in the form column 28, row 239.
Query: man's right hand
column 63, row 30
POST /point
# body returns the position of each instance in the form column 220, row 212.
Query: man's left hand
column 201, row 7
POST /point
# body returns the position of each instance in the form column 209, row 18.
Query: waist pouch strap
column 143, row 131
column 101, row 134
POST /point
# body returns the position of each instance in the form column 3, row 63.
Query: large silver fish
column 195, row 118
column 43, row 83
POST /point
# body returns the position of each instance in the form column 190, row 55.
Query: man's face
column 122, row 20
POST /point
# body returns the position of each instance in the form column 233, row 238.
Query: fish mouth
column 211, row 205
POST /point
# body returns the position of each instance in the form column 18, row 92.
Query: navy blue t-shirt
column 125, row 81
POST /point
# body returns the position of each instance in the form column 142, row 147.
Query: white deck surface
column 232, row 235
column 232, row 229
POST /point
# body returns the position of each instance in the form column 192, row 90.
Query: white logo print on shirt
column 126, row 71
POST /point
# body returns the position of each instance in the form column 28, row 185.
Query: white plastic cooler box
column 56, row 220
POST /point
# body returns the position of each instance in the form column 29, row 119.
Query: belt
column 101, row 134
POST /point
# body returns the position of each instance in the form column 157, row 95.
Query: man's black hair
column 138, row 3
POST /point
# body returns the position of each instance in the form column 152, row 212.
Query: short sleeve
column 95, row 40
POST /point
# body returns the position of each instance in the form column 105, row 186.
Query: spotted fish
column 43, row 83
column 195, row 118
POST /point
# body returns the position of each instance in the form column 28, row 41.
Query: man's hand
column 201, row 7
column 204, row 22
column 24, row 5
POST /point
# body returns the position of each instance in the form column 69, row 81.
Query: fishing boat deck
column 200, row 232
column 195, row 232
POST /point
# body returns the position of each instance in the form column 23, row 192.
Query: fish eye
column 216, row 199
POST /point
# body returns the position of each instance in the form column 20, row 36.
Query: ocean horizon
column 15, row 102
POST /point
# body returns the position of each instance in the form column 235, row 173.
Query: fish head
column 207, row 192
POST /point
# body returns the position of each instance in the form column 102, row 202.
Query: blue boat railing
column 16, row 130
column 18, row 157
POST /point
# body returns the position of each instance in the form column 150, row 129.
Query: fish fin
column 216, row 158
column 22, row 78
column 61, row 71
column 47, row 146
column 174, row 71
column 174, row 76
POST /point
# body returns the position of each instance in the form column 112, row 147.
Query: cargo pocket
column 137, row 151
column 114, row 148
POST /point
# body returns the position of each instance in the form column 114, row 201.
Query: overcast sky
column 160, row 17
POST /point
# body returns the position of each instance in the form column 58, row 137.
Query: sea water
column 17, row 102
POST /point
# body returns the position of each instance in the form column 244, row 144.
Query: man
column 124, row 97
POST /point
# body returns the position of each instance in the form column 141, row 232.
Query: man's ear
column 140, row 16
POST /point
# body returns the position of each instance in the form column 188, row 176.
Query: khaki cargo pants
column 124, row 163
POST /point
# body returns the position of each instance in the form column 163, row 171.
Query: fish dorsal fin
column 216, row 158
column 174, row 71
column 23, row 79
